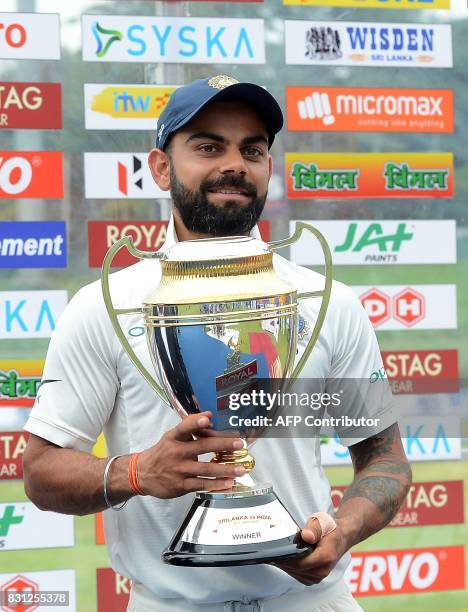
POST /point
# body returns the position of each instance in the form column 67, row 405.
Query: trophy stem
column 238, row 457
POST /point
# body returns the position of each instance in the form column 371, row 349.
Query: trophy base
column 242, row 526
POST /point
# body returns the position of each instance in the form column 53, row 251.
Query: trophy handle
column 324, row 293
column 114, row 313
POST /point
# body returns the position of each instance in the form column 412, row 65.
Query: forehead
column 227, row 118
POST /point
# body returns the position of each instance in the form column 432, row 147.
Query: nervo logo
column 8, row 519
column 33, row 244
column 105, row 38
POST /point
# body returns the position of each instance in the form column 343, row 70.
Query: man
column 212, row 152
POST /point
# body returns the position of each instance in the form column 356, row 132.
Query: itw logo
column 114, row 35
column 373, row 234
column 8, row 520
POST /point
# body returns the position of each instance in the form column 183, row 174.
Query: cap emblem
column 221, row 81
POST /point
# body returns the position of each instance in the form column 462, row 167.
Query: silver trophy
column 219, row 322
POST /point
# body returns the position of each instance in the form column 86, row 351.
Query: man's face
column 219, row 170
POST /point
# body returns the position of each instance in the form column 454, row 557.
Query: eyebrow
column 218, row 138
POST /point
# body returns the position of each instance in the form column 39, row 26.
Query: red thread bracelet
column 133, row 479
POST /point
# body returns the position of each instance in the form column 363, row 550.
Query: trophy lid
column 217, row 270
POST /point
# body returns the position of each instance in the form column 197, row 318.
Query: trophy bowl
column 221, row 321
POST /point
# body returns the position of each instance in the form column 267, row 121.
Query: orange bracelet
column 133, row 479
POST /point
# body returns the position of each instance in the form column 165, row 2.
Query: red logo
column 147, row 236
column 14, row 35
column 377, row 306
column 433, row 371
column 113, row 590
column 409, row 307
column 31, row 174
column 135, row 174
column 413, row 570
column 18, row 584
column 12, row 445
column 427, row 503
column 30, row 106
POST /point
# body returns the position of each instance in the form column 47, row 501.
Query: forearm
column 71, row 482
column 372, row 500
column 381, row 482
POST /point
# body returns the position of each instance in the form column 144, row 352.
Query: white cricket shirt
column 97, row 388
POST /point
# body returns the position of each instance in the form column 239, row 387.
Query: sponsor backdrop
column 373, row 154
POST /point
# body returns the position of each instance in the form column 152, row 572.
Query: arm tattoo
column 382, row 473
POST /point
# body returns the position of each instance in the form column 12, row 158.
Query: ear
column 270, row 166
column 158, row 163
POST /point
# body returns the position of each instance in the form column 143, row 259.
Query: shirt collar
column 172, row 239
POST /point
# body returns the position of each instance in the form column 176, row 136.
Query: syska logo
column 30, row 314
column 342, row 43
column 30, row 105
column 406, row 571
column 366, row 109
column 392, row 307
column 173, row 39
column 31, row 174
column 29, row 36
column 118, row 107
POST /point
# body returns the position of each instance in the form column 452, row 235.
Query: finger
column 189, row 425
column 212, row 470
column 312, row 532
column 190, row 485
column 211, row 445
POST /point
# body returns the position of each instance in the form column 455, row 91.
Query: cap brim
column 256, row 96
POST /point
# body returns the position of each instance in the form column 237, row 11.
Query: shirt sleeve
column 80, row 382
column 357, row 372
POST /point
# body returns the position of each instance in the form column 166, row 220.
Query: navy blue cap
column 190, row 99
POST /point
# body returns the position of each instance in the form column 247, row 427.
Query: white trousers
column 141, row 600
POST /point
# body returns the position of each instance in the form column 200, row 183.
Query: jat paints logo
column 112, row 38
column 346, row 43
column 120, row 107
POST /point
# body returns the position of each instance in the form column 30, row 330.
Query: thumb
column 312, row 532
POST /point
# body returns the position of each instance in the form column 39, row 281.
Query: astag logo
column 30, row 105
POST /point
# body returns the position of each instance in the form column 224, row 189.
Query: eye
column 208, row 148
column 253, row 152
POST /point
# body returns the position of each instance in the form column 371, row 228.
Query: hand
column 171, row 467
column 314, row 567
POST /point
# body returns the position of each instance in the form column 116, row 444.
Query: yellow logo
column 132, row 102
column 221, row 81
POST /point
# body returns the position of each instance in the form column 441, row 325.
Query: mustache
column 229, row 181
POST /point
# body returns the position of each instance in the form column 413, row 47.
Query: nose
column 233, row 162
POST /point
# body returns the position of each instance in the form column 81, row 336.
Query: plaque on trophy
column 219, row 320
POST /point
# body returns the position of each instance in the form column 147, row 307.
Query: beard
column 202, row 217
